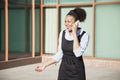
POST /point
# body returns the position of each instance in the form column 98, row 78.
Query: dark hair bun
column 81, row 13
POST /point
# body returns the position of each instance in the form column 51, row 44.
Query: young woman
column 72, row 44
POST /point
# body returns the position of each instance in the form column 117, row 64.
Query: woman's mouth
column 67, row 27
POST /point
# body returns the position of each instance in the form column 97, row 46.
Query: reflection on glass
column 50, row 31
column 19, row 32
column 49, row 1
column 107, row 0
column 2, row 56
column 107, row 30
column 74, row 1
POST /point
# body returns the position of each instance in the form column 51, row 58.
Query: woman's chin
column 70, row 30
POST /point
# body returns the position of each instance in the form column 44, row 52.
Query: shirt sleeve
column 83, row 45
column 58, row 56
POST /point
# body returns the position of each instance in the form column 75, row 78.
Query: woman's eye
column 68, row 21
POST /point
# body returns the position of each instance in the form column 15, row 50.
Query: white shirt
column 83, row 44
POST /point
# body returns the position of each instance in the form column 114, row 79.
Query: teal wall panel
column 37, row 31
column 2, row 5
column 1, row 30
column 74, row 1
column 50, row 30
column 107, row 0
column 49, row 1
column 28, row 30
column 20, row 30
column 12, row 3
column 16, row 30
column 107, row 26
column 87, row 25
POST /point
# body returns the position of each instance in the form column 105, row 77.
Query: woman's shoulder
column 61, row 32
column 83, row 32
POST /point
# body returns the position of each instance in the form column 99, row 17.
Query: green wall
column 1, row 30
column 37, row 30
column 50, row 30
column 49, row 1
column 16, row 30
column 65, row 1
column 107, row 0
column 107, row 31
column 74, row 1
column 19, row 30
column 107, row 26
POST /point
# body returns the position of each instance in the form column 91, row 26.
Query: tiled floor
column 27, row 73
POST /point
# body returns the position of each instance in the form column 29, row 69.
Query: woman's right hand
column 40, row 68
column 43, row 65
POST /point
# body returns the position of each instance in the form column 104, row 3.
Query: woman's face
column 69, row 21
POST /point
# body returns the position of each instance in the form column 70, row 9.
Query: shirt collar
column 79, row 31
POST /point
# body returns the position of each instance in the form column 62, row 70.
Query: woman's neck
column 70, row 32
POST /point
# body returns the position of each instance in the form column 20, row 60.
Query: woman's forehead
column 69, row 17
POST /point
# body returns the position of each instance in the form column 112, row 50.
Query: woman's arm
column 43, row 65
column 76, row 44
column 83, row 45
column 52, row 60
column 79, row 47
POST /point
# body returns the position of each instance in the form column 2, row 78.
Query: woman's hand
column 45, row 64
column 74, row 29
column 40, row 68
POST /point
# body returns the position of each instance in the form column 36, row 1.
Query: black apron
column 72, row 67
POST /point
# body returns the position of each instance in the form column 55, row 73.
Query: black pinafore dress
column 72, row 67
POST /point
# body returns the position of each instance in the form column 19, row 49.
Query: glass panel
column 74, row 1
column 2, row 4
column 16, row 3
column 49, row 1
column 87, row 25
column 37, row 31
column 16, row 28
column 17, row 35
column 2, row 35
column 19, row 32
column 107, row 0
column 21, row 3
column 50, row 30
column 30, row 1
column 28, row 31
column 107, row 32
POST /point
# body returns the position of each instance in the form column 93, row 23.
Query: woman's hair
column 78, row 14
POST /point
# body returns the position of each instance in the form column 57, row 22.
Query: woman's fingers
column 39, row 68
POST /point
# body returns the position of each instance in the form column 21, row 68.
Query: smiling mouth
column 67, row 27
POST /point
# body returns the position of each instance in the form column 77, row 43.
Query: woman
column 72, row 44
